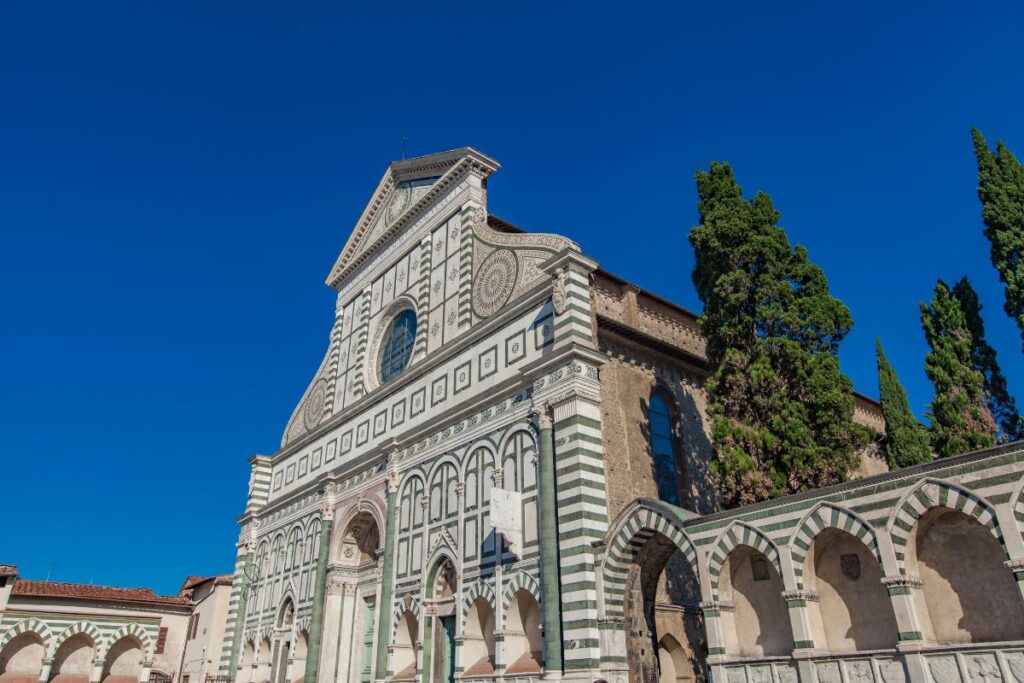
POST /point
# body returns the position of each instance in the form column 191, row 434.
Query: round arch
column 635, row 525
column 928, row 494
column 485, row 443
column 26, row 625
column 735, row 535
column 824, row 516
column 520, row 427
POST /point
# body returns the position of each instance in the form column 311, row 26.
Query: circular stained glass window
column 396, row 351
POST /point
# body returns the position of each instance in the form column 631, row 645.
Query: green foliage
column 1001, row 190
column 1000, row 403
column 961, row 420
column 782, row 412
column 906, row 440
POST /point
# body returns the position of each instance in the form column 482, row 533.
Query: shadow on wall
column 691, row 449
column 697, row 453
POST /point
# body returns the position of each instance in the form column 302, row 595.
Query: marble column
column 550, row 589
column 387, row 583
column 316, row 620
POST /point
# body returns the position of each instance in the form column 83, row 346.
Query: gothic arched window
column 396, row 351
column 662, row 449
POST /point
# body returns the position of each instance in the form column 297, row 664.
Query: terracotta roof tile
column 54, row 589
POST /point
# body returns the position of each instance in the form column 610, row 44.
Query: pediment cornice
column 373, row 231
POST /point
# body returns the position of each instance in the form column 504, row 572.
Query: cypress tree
column 1001, row 190
column 961, row 420
column 781, row 410
column 906, row 440
column 1000, row 403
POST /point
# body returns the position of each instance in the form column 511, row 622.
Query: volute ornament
column 558, row 292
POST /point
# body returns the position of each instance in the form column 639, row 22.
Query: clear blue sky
column 177, row 178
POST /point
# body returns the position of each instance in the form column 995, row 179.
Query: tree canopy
column 781, row 409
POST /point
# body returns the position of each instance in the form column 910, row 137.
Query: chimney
column 8, row 573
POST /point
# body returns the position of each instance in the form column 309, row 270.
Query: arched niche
column 673, row 664
column 967, row 594
column 359, row 542
column 478, row 639
column 853, row 611
column 123, row 662
column 72, row 662
column 406, row 642
column 263, row 662
column 246, row 663
column 21, row 659
column 524, row 642
column 758, row 625
column 299, row 649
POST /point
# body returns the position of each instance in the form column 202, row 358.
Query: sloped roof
column 193, row 582
column 80, row 591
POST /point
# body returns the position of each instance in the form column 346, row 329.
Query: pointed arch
column 826, row 515
column 521, row 580
column 477, row 589
column 402, row 606
column 287, row 598
column 443, row 549
column 932, row 493
column 30, row 625
column 736, row 534
column 635, row 525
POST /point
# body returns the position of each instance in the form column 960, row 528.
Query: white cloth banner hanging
column 507, row 517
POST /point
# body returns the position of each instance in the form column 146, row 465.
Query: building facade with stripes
column 499, row 472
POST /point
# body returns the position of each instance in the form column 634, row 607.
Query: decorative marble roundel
column 494, row 283
column 314, row 408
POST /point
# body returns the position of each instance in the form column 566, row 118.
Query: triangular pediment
column 407, row 186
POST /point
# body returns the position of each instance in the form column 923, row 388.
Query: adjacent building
column 54, row 632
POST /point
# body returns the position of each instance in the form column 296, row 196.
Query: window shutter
column 161, row 640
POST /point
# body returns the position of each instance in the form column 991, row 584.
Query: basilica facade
column 499, row 472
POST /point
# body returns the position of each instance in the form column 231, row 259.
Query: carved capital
column 498, row 476
column 809, row 596
column 541, row 414
column 460, row 489
column 902, row 581
column 392, row 480
column 327, row 510
column 720, row 605
column 611, row 620
column 1015, row 565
